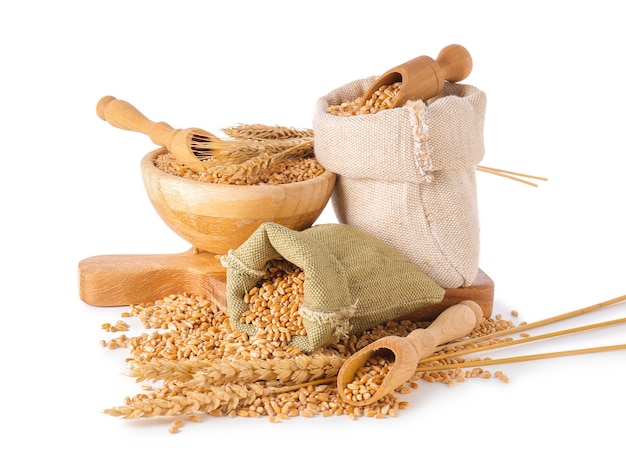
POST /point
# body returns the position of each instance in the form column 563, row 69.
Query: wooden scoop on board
column 188, row 146
column 422, row 77
column 453, row 323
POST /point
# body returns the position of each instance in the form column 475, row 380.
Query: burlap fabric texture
column 407, row 175
column 352, row 282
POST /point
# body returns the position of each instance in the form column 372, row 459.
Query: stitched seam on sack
column 437, row 241
column 421, row 140
column 425, row 168
column 338, row 319
column 230, row 261
column 429, row 301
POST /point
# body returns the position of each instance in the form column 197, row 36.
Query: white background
column 553, row 73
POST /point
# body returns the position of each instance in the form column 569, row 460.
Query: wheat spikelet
column 233, row 152
column 227, row 398
column 200, row 373
column 255, row 165
column 252, row 400
column 263, row 162
column 264, row 132
column 174, row 370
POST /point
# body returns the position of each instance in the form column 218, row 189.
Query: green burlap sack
column 352, row 281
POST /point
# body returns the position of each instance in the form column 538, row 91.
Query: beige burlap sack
column 407, row 175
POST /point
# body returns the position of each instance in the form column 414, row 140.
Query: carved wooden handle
column 453, row 323
column 123, row 115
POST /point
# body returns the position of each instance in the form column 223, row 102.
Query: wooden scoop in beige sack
column 188, row 146
column 422, row 77
column 452, row 324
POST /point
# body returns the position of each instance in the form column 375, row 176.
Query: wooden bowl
column 217, row 217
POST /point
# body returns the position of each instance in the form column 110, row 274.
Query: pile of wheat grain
column 205, row 367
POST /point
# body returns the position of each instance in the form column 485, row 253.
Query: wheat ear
column 233, row 152
column 264, row 132
column 289, row 371
column 265, row 161
column 225, row 399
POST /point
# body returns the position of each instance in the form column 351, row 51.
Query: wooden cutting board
column 121, row 280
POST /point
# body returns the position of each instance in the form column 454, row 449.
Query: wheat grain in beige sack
column 407, row 175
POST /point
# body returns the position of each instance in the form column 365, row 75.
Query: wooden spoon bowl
column 453, row 323
column 423, row 78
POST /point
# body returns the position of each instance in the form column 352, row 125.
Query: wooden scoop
column 453, row 323
column 188, row 146
column 422, row 77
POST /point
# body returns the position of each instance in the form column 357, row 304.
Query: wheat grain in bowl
column 216, row 217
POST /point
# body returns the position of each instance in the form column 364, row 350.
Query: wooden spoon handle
column 123, row 115
column 452, row 324
column 455, row 63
